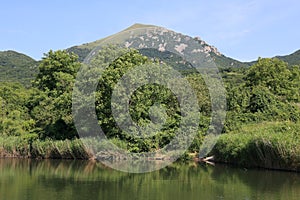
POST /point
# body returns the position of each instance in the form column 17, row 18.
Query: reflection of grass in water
column 179, row 181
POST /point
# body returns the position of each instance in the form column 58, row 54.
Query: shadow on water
column 68, row 179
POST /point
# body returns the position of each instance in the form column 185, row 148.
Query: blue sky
column 240, row 29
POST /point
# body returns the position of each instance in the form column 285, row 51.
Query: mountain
column 19, row 67
column 221, row 60
column 83, row 50
column 16, row 66
column 292, row 59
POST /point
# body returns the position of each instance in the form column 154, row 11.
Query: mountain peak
column 220, row 59
column 138, row 25
column 83, row 50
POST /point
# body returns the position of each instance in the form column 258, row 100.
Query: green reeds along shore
column 52, row 149
column 273, row 145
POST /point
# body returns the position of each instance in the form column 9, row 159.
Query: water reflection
column 57, row 179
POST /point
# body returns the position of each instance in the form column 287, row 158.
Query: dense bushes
column 269, row 92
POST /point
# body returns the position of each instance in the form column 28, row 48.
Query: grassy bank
column 18, row 147
column 273, row 145
column 60, row 149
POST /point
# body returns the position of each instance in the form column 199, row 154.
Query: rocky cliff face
column 208, row 48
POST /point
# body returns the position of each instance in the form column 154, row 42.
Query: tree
column 51, row 108
column 57, row 72
column 261, row 100
column 153, row 107
column 295, row 81
column 15, row 119
column 271, row 73
column 107, row 82
column 268, row 93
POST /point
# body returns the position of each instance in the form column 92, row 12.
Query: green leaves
column 268, row 93
column 14, row 115
column 51, row 107
column 261, row 100
column 153, row 107
column 57, row 72
column 270, row 73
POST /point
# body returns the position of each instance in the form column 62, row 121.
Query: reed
column 54, row 149
column 274, row 145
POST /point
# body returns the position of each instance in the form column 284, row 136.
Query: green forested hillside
column 292, row 59
column 15, row 66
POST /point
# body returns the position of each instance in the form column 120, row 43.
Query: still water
column 87, row 180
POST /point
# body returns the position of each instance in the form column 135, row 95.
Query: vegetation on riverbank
column 43, row 149
column 261, row 128
column 272, row 145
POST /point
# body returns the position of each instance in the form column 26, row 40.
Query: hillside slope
column 16, row 66
column 221, row 60
column 292, row 59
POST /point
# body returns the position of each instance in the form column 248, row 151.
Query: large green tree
column 57, row 72
column 51, row 108
column 271, row 73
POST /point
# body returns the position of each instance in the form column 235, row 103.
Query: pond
column 82, row 180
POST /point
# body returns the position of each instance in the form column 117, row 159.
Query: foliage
column 269, row 92
column 15, row 119
column 57, row 72
column 17, row 67
column 266, row 93
column 146, row 101
column 53, row 112
column 270, row 73
column 141, row 100
column 46, row 109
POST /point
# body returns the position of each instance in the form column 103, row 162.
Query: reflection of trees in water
column 50, row 179
column 274, row 184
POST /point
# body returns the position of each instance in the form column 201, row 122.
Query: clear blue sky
column 240, row 29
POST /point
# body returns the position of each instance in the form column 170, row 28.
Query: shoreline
column 271, row 146
column 195, row 159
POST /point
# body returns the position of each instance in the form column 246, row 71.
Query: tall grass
column 55, row 149
column 274, row 145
